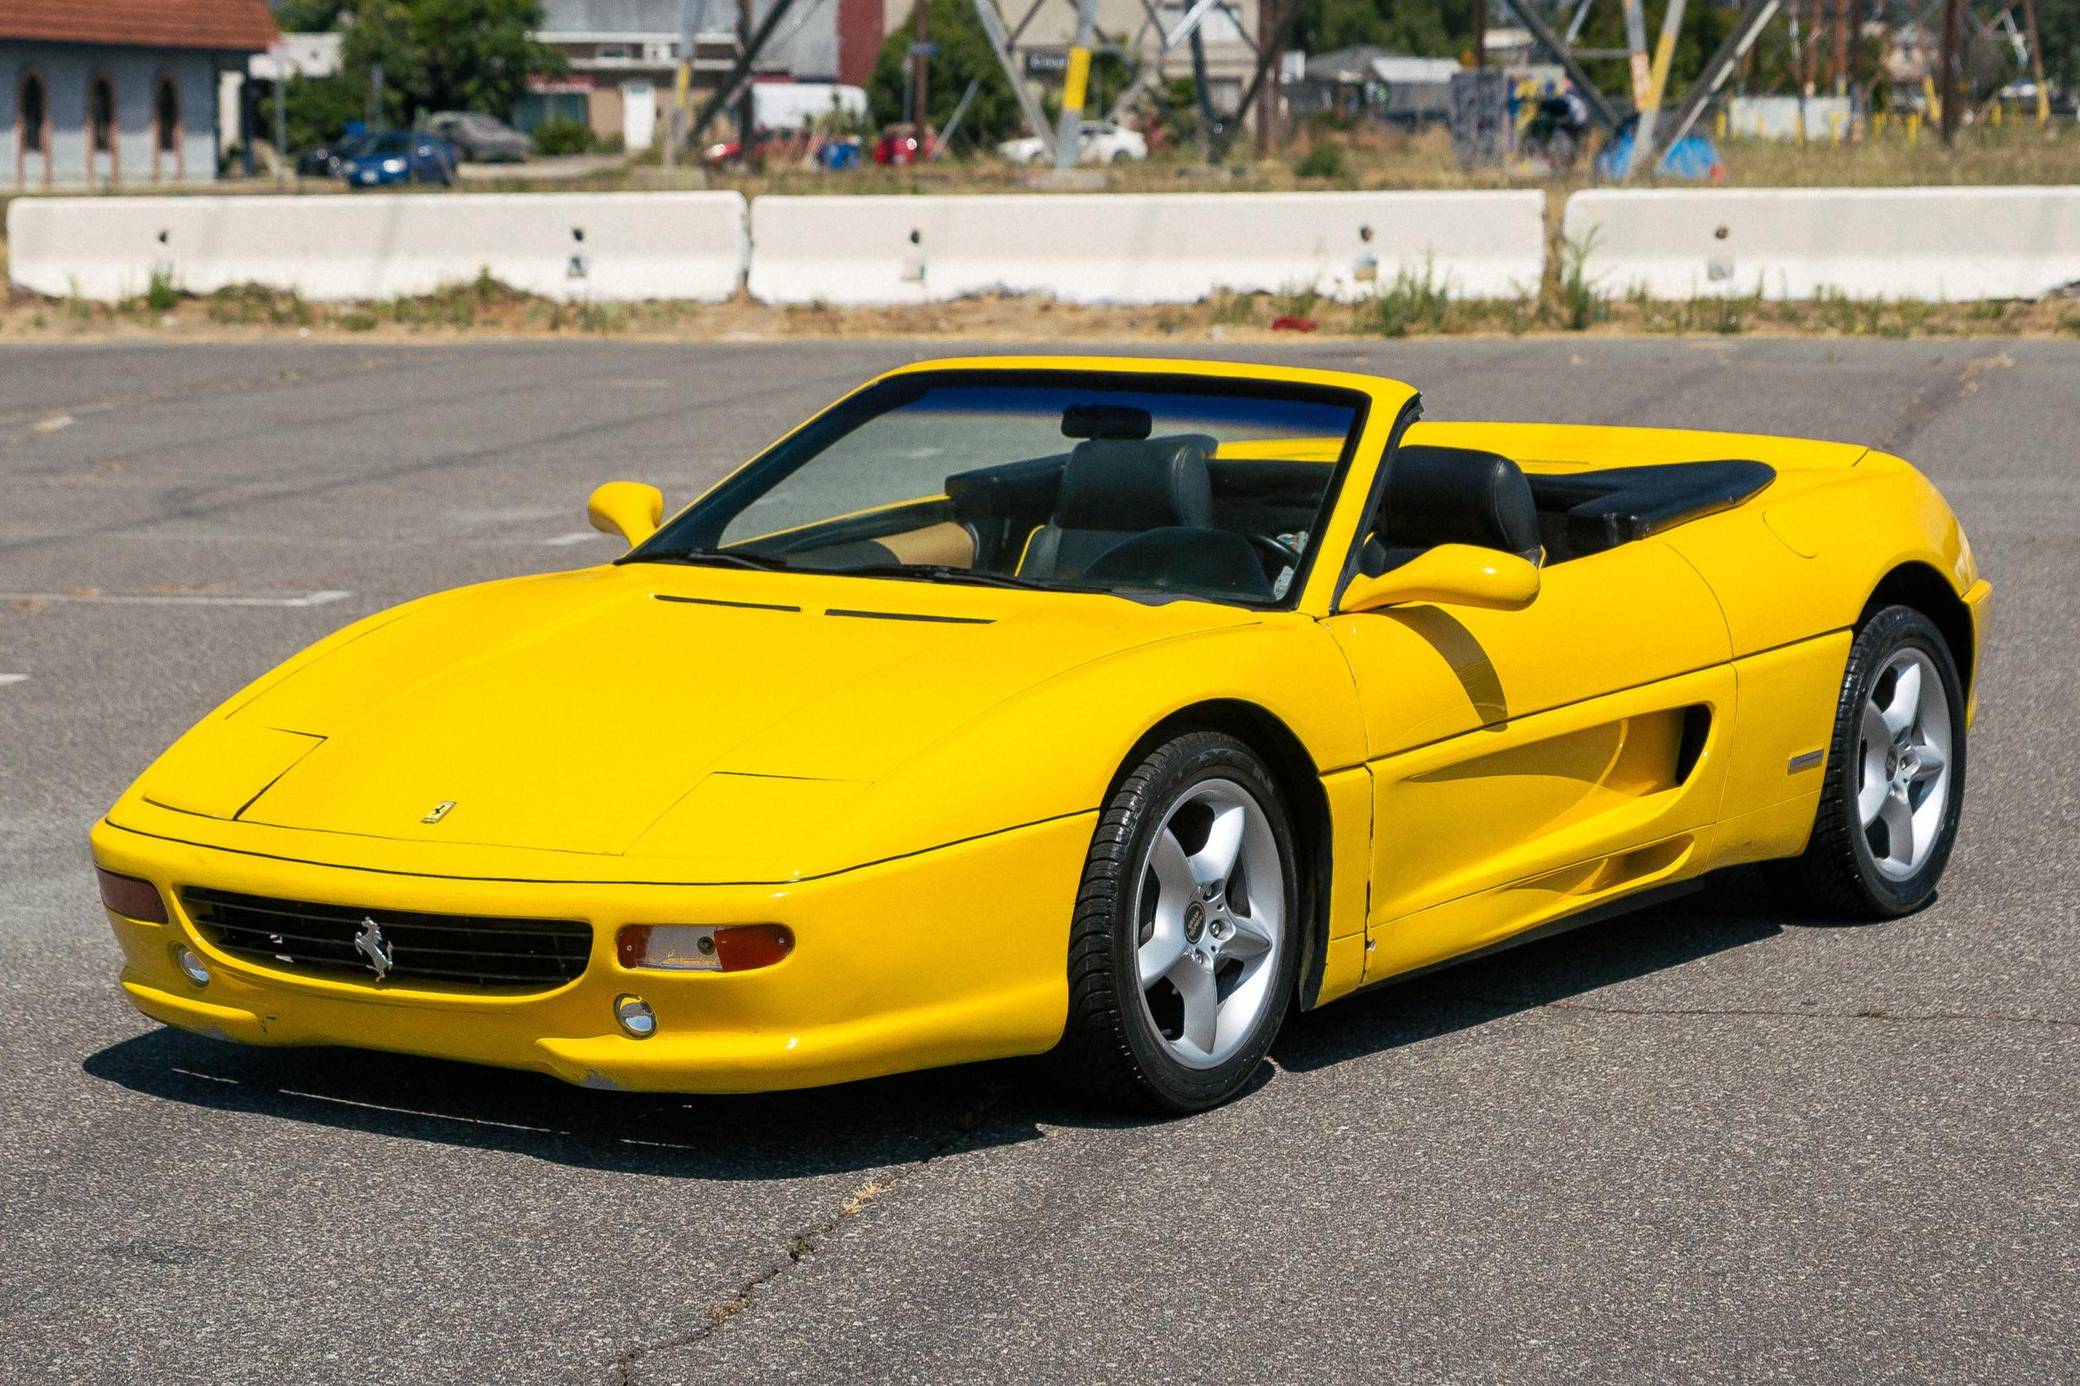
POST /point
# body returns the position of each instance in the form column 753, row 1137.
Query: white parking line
column 13, row 678
column 576, row 536
column 176, row 598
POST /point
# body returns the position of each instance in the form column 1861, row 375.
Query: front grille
column 350, row 942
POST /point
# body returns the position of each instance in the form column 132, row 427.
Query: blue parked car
column 400, row 156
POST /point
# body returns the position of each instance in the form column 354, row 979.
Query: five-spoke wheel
column 1181, row 953
column 1895, row 774
column 1903, row 764
column 1211, row 912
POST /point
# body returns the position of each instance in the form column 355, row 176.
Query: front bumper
column 949, row 956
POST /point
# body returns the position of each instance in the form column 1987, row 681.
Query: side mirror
column 627, row 508
column 1449, row 575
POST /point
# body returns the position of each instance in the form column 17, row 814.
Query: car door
column 1529, row 763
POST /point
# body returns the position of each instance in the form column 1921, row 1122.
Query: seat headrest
column 1440, row 495
column 1135, row 484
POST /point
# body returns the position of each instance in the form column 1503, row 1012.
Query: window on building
column 611, row 51
column 30, row 110
column 167, row 110
column 101, row 114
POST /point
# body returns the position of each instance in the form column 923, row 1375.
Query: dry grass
column 1409, row 305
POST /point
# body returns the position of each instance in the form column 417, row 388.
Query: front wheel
column 1895, row 775
column 1181, row 952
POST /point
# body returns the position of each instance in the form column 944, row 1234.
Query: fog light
column 131, row 897
column 191, row 966
column 634, row 1015
column 703, row 947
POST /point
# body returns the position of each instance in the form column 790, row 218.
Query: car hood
column 579, row 711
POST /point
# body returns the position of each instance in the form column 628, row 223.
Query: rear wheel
column 1181, row 952
column 1895, row 775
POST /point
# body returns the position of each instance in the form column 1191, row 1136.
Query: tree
column 964, row 55
column 450, row 55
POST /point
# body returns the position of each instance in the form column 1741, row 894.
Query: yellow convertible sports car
column 1103, row 709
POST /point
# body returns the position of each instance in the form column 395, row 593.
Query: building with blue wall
column 100, row 96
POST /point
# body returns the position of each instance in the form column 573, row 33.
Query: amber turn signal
column 130, row 897
column 703, row 947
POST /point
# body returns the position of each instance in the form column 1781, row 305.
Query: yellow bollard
column 1997, row 110
column 1720, row 125
column 1834, row 127
column 1913, row 128
column 1877, row 125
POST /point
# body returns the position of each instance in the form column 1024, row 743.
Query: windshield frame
column 698, row 529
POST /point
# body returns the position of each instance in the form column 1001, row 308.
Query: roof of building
column 613, row 17
column 242, row 26
column 1364, row 62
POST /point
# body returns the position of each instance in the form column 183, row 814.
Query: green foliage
column 1439, row 28
column 1582, row 302
column 1413, row 302
column 309, row 16
column 561, row 136
column 1230, row 309
column 964, row 55
column 160, row 295
column 317, row 109
column 1324, row 160
column 446, row 55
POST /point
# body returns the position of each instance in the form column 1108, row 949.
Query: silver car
column 481, row 138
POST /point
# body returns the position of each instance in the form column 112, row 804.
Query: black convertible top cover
column 1616, row 506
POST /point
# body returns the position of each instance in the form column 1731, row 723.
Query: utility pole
column 682, row 83
column 1202, row 93
column 1841, row 47
column 1268, row 31
column 1480, row 34
column 1946, row 88
column 1657, row 82
column 747, row 106
column 920, row 58
column 281, row 116
column 2036, row 63
column 1636, row 58
column 1068, row 136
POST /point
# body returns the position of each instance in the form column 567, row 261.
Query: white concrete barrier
column 1135, row 248
column 1793, row 243
column 573, row 246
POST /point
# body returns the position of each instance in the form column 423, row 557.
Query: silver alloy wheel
column 1211, row 910
column 1903, row 764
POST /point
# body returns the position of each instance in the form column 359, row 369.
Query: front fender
column 1054, row 749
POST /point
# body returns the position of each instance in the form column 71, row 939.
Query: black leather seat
column 1450, row 496
column 1115, row 488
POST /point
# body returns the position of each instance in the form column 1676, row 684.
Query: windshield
column 395, row 143
column 1134, row 484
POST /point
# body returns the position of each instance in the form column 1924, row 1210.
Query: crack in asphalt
column 807, row 1241
column 1930, row 401
column 1774, row 1013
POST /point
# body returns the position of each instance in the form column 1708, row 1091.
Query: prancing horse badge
column 439, row 811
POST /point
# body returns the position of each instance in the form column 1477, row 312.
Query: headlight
column 393, row 166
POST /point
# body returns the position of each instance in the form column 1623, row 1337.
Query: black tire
column 1837, row 874
column 1111, row 1051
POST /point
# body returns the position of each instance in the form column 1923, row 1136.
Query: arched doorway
column 168, row 142
column 32, row 130
column 103, row 158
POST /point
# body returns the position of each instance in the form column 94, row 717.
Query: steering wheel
column 1281, row 555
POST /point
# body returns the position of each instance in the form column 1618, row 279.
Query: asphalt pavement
column 1711, row 1142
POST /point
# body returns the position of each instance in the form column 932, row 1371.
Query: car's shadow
column 864, row 1126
